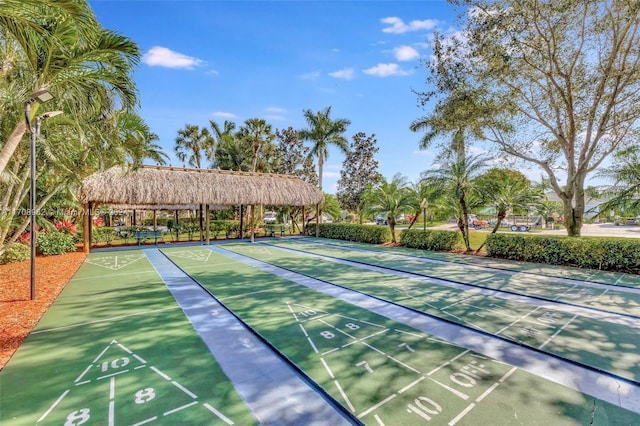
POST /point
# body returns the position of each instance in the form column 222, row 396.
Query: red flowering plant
column 98, row 221
column 66, row 226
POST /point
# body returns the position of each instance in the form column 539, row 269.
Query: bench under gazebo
column 160, row 187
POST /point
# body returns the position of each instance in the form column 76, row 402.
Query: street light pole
column 39, row 96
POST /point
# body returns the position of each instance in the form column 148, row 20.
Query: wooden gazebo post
column 86, row 227
column 207, row 231
column 253, row 220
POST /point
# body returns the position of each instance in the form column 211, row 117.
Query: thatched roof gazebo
column 159, row 187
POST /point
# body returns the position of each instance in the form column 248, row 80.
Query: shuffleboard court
column 384, row 372
column 579, row 274
column 112, row 351
column 606, row 297
column 601, row 345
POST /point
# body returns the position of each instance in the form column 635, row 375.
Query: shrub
column 583, row 252
column 429, row 240
column 57, row 242
column 351, row 232
column 16, row 252
column 103, row 235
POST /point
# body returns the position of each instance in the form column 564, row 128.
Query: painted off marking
column 218, row 413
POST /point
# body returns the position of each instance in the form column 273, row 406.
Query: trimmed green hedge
column 51, row 243
column 351, row 232
column 621, row 255
column 429, row 240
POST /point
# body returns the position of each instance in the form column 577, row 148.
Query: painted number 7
column 406, row 346
column 366, row 366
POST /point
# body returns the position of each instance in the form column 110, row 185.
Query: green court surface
column 603, row 345
column 116, row 349
column 578, row 274
column 611, row 299
column 382, row 371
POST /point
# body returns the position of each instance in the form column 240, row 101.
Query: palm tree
column 624, row 194
column 258, row 134
column 322, row 131
column 192, row 144
column 60, row 46
column 457, row 178
column 391, row 199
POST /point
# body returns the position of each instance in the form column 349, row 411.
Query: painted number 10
column 424, row 407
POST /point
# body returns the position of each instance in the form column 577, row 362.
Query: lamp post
column 40, row 96
column 423, row 206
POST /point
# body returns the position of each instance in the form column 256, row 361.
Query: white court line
column 139, row 358
column 114, row 374
column 326, row 366
column 144, row 422
column 309, row 338
column 112, row 409
column 82, row 324
column 459, row 394
column 110, row 275
column 56, row 402
column 175, row 410
column 112, row 388
column 557, row 332
column 218, row 413
column 164, row 376
column 185, row 390
column 410, row 385
column 344, row 395
column 378, row 405
column 85, row 372
column 448, row 362
column 462, row 414
column 516, row 321
column 124, row 348
column 103, row 352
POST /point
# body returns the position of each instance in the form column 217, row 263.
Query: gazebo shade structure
column 169, row 187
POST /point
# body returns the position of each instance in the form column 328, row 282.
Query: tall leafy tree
column 390, row 198
column 624, row 175
column 60, row 46
column 323, row 131
column 194, row 145
column 457, row 177
column 507, row 191
column 359, row 170
column 258, row 137
column 567, row 75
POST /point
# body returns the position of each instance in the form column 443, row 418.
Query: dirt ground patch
column 18, row 314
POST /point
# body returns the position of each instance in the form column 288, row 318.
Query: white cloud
column 385, row 70
column 163, row 57
column 313, row 75
column 397, row 25
column 274, row 117
column 345, row 74
column 405, row 53
column 222, row 114
column 276, row 110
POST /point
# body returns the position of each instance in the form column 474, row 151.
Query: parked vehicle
column 270, row 217
column 626, row 220
column 477, row 223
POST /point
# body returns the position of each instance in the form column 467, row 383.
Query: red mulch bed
column 18, row 314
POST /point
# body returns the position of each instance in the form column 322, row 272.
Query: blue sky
column 235, row 60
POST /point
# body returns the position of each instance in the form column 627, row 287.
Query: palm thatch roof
column 170, row 186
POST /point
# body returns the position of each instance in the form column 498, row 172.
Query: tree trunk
column 11, row 145
column 392, row 227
